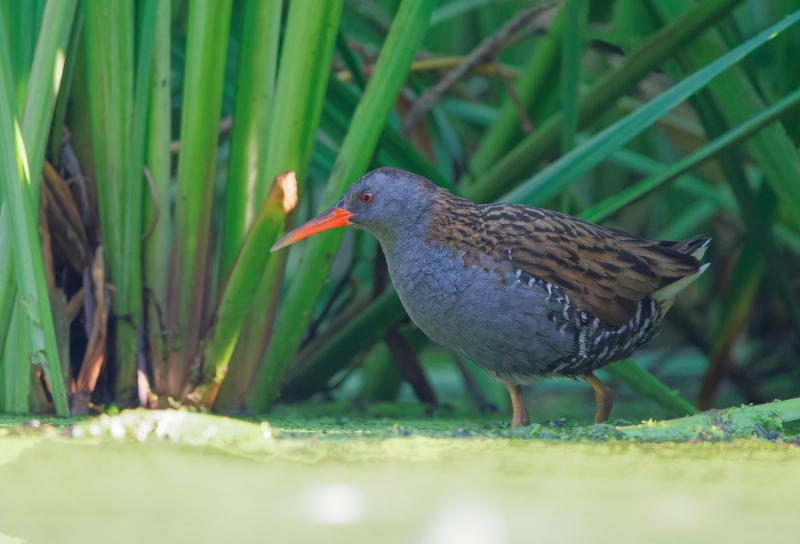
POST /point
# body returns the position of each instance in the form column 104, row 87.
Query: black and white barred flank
column 596, row 343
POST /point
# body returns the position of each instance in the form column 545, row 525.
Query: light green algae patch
column 181, row 476
column 361, row 437
column 11, row 448
column 754, row 422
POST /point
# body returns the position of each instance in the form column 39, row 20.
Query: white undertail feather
column 672, row 290
column 667, row 294
column 700, row 251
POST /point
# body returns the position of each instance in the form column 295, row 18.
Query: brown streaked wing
column 604, row 271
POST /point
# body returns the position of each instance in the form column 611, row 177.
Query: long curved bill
column 334, row 217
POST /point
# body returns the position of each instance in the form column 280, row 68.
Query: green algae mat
column 145, row 476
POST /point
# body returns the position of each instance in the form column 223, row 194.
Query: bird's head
column 384, row 202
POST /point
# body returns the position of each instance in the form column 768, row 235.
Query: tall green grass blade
column 552, row 180
column 8, row 287
column 14, row 365
column 23, row 19
column 505, row 173
column 742, row 132
column 306, row 55
column 406, row 34
column 27, row 255
column 108, row 37
column 44, row 83
column 738, row 100
column 62, row 100
column 253, row 338
column 132, row 191
column 158, row 160
column 15, row 368
column 239, row 286
column 255, row 83
column 209, row 22
column 109, row 41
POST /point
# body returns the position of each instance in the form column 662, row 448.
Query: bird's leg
column 603, row 396
column 520, row 417
column 409, row 366
column 472, row 387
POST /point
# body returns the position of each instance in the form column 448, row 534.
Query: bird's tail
column 696, row 247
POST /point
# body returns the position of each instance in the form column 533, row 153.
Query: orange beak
column 335, row 217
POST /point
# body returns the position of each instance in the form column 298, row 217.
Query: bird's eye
column 366, row 197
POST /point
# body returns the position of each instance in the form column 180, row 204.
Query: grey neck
column 396, row 234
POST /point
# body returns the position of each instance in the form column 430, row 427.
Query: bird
column 525, row 293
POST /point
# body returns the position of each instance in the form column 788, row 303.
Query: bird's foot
column 520, row 420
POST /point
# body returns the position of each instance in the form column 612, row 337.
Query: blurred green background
column 141, row 139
